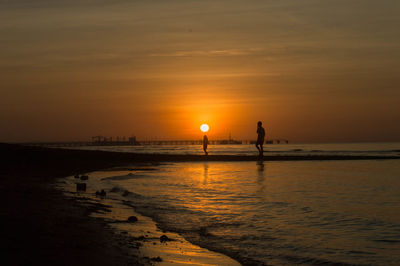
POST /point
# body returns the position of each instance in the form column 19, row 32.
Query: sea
column 343, row 212
column 385, row 148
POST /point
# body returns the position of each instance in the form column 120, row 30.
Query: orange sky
column 312, row 71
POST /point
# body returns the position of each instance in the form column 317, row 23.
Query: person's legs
column 261, row 150
column 258, row 148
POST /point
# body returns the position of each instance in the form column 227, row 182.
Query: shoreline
column 155, row 157
column 143, row 235
column 248, row 158
column 44, row 226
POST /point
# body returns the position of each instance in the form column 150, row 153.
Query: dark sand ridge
column 41, row 225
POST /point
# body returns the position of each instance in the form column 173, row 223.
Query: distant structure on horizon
column 268, row 141
column 102, row 140
column 132, row 141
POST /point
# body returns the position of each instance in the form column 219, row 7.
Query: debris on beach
column 158, row 259
column 101, row 193
column 132, row 219
column 80, row 186
column 155, row 259
column 115, row 189
column 84, row 177
column 164, row 238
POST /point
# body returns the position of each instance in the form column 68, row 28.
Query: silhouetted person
column 205, row 143
column 260, row 139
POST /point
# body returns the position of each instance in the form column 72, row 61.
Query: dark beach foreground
column 42, row 225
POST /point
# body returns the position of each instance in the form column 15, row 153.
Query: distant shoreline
column 124, row 157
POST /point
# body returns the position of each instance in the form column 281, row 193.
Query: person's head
column 259, row 123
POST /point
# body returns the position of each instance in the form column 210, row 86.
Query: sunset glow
column 262, row 132
column 204, row 128
column 127, row 68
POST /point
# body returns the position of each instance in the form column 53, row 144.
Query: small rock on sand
column 132, row 219
column 164, row 238
column 159, row 259
column 115, row 189
column 101, row 193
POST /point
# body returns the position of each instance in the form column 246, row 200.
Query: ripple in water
column 278, row 213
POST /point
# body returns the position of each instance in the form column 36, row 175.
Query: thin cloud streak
column 222, row 52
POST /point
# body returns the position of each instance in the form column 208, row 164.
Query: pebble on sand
column 101, row 193
column 164, row 238
column 132, row 219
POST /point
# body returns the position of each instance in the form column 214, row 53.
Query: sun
column 204, row 127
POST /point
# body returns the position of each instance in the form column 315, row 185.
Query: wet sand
column 143, row 234
column 43, row 225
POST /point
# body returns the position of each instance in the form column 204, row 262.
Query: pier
column 122, row 141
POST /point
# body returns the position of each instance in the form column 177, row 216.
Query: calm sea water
column 279, row 213
column 270, row 149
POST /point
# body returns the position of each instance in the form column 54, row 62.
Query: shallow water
column 277, row 212
column 141, row 238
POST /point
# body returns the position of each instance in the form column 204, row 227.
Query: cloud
column 221, row 52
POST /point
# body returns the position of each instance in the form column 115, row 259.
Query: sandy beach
column 41, row 224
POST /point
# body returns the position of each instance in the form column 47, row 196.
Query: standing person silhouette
column 205, row 143
column 260, row 139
